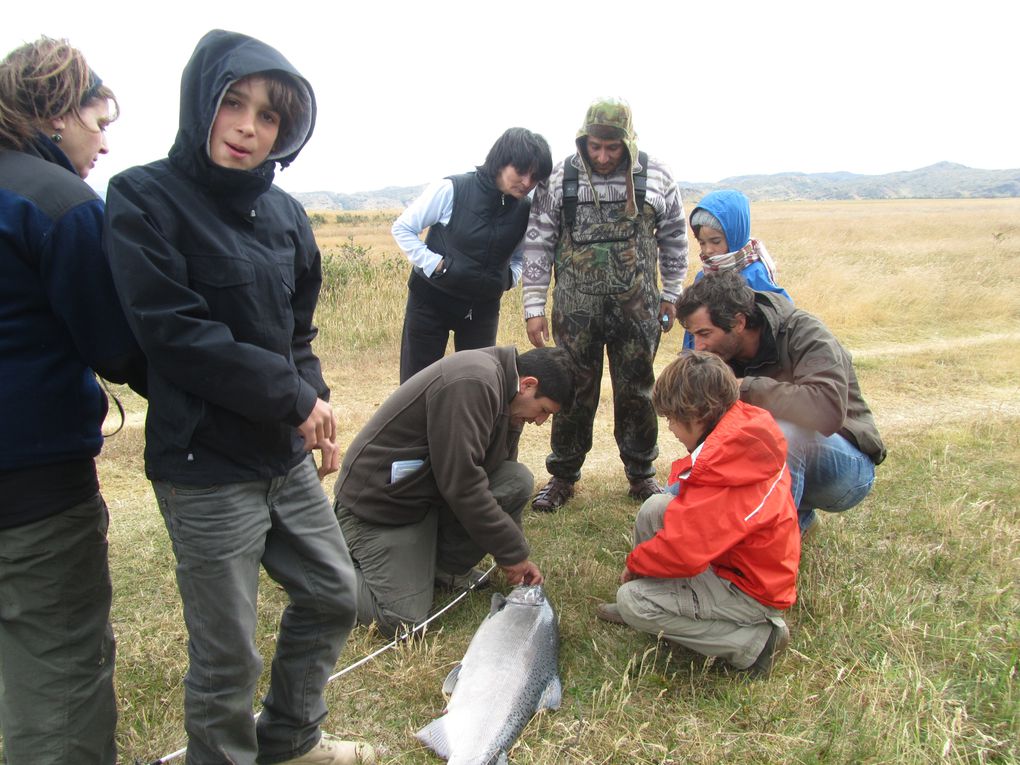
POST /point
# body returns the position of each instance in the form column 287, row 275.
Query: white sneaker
column 330, row 750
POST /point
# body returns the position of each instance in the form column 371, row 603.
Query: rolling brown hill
column 943, row 180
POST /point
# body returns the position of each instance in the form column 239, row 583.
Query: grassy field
column 906, row 634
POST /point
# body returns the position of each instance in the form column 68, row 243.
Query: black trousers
column 431, row 316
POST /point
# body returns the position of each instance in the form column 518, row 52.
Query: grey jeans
column 57, row 703
column 396, row 565
column 221, row 535
column 705, row 613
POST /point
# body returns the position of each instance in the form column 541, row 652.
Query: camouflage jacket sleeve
column 540, row 242
column 670, row 228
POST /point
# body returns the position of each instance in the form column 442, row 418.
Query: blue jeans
column 827, row 472
column 221, row 535
column 57, row 703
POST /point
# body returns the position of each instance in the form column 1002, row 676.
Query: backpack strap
column 641, row 181
column 570, row 176
column 570, row 180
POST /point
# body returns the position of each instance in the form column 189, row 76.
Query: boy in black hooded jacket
column 219, row 275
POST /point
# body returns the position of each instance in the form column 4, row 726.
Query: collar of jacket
column 506, row 356
column 236, row 190
column 44, row 148
column 775, row 311
column 496, row 200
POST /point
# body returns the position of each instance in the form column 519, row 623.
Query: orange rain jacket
column 734, row 512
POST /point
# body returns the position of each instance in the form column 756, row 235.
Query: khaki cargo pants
column 705, row 613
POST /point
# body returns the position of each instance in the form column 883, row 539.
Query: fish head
column 527, row 595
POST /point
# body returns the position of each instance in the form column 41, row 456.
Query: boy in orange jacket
column 714, row 566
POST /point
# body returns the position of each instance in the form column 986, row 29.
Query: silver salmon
column 510, row 672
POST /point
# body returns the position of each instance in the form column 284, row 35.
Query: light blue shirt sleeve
column 517, row 262
column 435, row 205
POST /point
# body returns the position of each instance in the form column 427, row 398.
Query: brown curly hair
column 43, row 80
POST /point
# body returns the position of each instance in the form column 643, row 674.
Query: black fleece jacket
column 219, row 275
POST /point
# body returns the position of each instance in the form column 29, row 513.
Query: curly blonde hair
column 43, row 80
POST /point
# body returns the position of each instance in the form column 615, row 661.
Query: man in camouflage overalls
column 603, row 241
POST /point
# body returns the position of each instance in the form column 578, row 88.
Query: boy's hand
column 319, row 432
column 330, row 459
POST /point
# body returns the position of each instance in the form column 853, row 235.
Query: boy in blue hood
column 722, row 225
column 219, row 275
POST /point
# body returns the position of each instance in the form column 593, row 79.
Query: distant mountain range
column 943, row 180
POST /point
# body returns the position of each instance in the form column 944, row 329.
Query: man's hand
column 538, row 331
column 524, row 572
column 319, row 432
column 667, row 315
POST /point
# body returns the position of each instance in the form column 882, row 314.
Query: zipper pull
column 470, row 311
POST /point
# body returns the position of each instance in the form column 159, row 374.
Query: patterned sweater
column 543, row 231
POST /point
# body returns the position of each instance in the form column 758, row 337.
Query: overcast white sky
column 411, row 91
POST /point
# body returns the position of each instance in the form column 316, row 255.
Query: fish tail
column 435, row 738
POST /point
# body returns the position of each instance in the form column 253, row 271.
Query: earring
column 56, row 138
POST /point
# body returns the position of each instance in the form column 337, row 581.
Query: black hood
column 222, row 58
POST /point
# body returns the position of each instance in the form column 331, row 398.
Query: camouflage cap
column 610, row 119
column 613, row 113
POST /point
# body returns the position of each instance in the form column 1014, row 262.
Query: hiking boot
column 553, row 495
column 609, row 612
column 779, row 638
column 330, row 750
column 642, row 488
column 473, row 579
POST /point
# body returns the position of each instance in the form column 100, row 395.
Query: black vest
column 485, row 227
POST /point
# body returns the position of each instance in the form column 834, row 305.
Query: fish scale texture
column 509, row 672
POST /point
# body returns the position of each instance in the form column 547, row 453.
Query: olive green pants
column 57, row 702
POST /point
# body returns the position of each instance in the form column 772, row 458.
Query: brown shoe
column 642, row 488
column 609, row 612
column 553, row 495
column 779, row 638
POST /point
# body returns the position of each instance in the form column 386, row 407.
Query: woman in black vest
column 473, row 251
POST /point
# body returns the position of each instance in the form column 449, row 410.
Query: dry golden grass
column 906, row 636
column 371, row 228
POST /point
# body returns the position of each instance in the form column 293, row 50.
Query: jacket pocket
column 419, row 482
column 174, row 419
column 220, row 271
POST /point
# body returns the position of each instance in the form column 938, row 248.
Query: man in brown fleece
column 431, row 484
